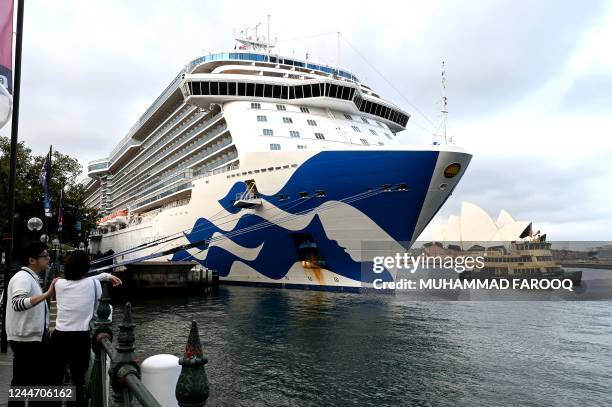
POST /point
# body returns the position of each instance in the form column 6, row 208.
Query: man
column 27, row 320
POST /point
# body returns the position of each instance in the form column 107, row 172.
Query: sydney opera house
column 475, row 225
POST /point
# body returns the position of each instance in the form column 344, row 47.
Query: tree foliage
column 29, row 195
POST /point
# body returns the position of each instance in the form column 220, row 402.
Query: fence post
column 192, row 385
column 124, row 363
column 102, row 330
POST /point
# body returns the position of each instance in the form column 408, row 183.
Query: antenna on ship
column 338, row 56
column 256, row 43
column 268, row 39
column 442, row 135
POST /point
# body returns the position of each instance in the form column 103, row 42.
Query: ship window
column 320, row 194
column 401, row 187
column 214, row 88
column 348, row 116
column 388, row 136
column 316, row 90
column 294, row 133
column 304, row 194
column 281, row 107
column 380, row 124
column 307, row 91
column 259, row 89
column 250, row 89
column 255, row 106
column 274, row 146
column 380, row 143
column 287, row 120
column 311, row 122
column 268, row 132
column 284, row 92
column 345, row 92
column 304, row 110
column 262, row 118
column 268, row 91
column 232, row 88
column 333, row 89
column 363, row 119
column 299, row 92
column 281, row 197
column 301, row 147
column 320, row 136
column 364, row 142
column 352, row 93
column 386, row 187
column 291, row 92
column 373, row 132
column 241, row 89
column 222, row 88
column 356, row 129
column 205, row 88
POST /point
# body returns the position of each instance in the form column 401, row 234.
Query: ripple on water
column 294, row 348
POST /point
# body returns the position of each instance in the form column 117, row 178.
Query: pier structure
column 124, row 374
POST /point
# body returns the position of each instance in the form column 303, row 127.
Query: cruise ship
column 270, row 170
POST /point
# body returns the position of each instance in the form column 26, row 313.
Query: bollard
column 160, row 374
column 192, row 385
column 102, row 331
column 124, row 363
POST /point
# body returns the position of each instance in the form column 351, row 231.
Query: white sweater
column 77, row 301
column 25, row 322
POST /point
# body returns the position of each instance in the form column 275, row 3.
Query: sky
column 529, row 84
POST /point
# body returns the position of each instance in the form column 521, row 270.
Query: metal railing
column 124, row 373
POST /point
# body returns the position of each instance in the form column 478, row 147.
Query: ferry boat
column 272, row 170
column 523, row 260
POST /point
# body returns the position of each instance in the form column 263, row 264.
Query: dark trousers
column 32, row 366
column 72, row 350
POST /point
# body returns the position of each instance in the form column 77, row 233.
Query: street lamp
column 35, row 224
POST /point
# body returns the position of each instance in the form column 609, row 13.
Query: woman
column 77, row 296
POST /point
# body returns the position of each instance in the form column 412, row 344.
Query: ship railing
column 167, row 137
column 124, row 373
column 159, row 150
column 171, row 160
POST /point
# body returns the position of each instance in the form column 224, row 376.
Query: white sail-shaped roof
column 475, row 226
column 503, row 219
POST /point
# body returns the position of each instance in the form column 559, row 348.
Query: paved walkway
column 6, row 374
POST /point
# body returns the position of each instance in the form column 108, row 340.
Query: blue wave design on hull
column 340, row 174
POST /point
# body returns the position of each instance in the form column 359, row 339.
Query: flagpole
column 13, row 173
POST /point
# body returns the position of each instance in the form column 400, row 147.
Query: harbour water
column 275, row 347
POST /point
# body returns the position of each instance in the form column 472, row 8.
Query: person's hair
column 32, row 250
column 76, row 266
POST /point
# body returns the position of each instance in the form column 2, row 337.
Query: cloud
column 529, row 83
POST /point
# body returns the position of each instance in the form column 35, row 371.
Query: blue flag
column 44, row 177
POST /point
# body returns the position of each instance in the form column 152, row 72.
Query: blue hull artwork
column 340, row 174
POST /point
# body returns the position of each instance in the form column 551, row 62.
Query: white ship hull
column 318, row 211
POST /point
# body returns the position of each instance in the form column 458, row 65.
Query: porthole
column 452, row 170
column 304, row 195
column 443, row 186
